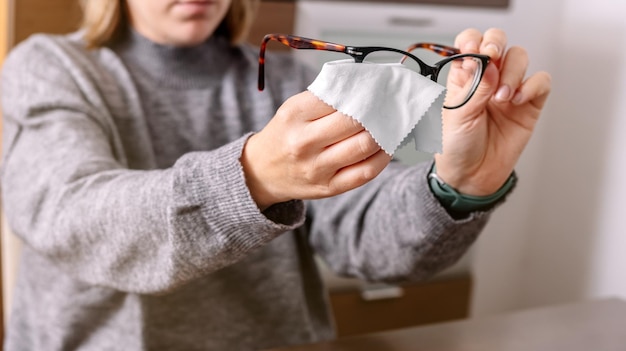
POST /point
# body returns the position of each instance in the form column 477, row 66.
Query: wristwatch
column 451, row 199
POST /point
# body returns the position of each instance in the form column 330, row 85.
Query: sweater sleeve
column 68, row 194
column 391, row 229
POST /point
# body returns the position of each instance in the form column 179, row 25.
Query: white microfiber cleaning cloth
column 394, row 103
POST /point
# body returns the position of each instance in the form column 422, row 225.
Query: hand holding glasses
column 460, row 73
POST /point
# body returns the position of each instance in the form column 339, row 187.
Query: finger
column 333, row 128
column 360, row 173
column 468, row 41
column 305, row 107
column 349, row 151
column 534, row 90
column 493, row 43
column 512, row 73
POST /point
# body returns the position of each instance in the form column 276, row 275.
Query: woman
column 160, row 196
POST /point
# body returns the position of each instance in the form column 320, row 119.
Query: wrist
column 469, row 180
column 252, row 174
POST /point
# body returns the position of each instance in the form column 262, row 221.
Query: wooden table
column 598, row 325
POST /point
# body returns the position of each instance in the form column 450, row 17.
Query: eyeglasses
column 460, row 73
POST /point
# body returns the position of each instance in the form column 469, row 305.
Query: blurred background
column 560, row 237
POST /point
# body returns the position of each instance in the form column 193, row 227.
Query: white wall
column 577, row 237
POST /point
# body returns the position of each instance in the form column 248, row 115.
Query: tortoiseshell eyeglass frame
column 358, row 53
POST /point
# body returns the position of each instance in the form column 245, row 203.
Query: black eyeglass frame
column 359, row 53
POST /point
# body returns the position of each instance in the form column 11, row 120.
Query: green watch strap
column 457, row 202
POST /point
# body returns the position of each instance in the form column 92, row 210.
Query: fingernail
column 503, row 94
column 468, row 64
column 492, row 47
column 471, row 46
column 517, row 99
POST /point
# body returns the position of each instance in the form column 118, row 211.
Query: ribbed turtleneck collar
column 177, row 67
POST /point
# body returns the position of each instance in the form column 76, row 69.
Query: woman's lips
column 197, row 2
column 194, row 8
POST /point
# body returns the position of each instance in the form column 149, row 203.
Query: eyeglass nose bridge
column 427, row 70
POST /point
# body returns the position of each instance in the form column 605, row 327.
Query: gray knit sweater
column 121, row 174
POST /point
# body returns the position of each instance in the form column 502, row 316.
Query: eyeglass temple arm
column 293, row 42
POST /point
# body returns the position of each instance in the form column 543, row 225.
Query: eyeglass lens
column 460, row 76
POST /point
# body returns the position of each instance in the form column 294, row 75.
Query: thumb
column 488, row 85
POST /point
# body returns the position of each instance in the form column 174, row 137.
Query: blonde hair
column 103, row 20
